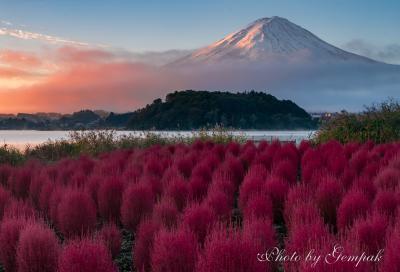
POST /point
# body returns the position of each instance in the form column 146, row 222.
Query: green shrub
column 11, row 155
column 94, row 142
column 378, row 123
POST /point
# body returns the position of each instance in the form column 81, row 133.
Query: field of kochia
column 204, row 207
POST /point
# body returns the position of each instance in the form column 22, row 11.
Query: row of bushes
column 94, row 142
column 203, row 207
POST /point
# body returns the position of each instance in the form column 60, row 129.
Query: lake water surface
column 21, row 138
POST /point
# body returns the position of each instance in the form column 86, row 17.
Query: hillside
column 186, row 110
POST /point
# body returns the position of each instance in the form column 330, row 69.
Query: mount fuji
column 288, row 61
column 270, row 39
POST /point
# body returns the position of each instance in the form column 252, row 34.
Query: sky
column 163, row 25
column 78, row 52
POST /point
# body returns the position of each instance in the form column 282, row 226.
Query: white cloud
column 4, row 22
column 389, row 53
column 27, row 35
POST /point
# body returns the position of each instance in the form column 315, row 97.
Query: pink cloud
column 92, row 79
column 18, row 58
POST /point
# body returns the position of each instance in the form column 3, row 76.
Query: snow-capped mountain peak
column 266, row 39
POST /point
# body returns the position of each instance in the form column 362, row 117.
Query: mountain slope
column 270, row 39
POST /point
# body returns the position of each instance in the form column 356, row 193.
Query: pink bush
column 259, row 206
column 45, row 195
column 336, row 163
column 277, row 189
column 203, row 170
column 178, row 190
column 354, row 205
column 366, row 186
column 5, row 172
column 251, row 186
column 262, row 232
column 185, row 165
column 234, row 167
column 391, row 260
column 19, row 209
column 109, row 198
column 304, row 237
column 223, row 183
column 199, row 219
column 20, row 182
column 174, row 250
column 144, row 245
column 198, row 187
column 10, row 230
column 54, row 201
column 154, row 182
column 137, row 203
column 286, row 170
column 227, row 250
column 328, row 198
column 110, row 235
column 388, row 178
column 219, row 203
column 4, row 199
column 37, row 249
column 369, row 233
column 92, row 186
column 386, row 202
column 166, row 213
column 86, row 256
column 358, row 160
column 76, row 213
column 301, row 213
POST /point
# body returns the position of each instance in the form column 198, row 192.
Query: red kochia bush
column 137, row 203
column 277, row 189
column 76, row 213
column 178, row 190
column 259, row 206
column 219, row 203
column 302, row 238
column 328, row 197
column 37, row 249
column 301, row 213
column 165, row 213
column 251, row 186
column 391, row 259
column 261, row 231
column 5, row 173
column 86, row 256
column 355, row 204
column 20, row 182
column 110, row 235
column 10, row 230
column 286, row 170
column 109, row 198
column 19, row 209
column 4, row 198
column 226, row 250
column 144, row 245
column 199, row 219
column 388, row 178
column 174, row 251
column 198, row 187
column 370, row 233
column 386, row 202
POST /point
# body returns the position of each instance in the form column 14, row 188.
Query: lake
column 21, row 138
